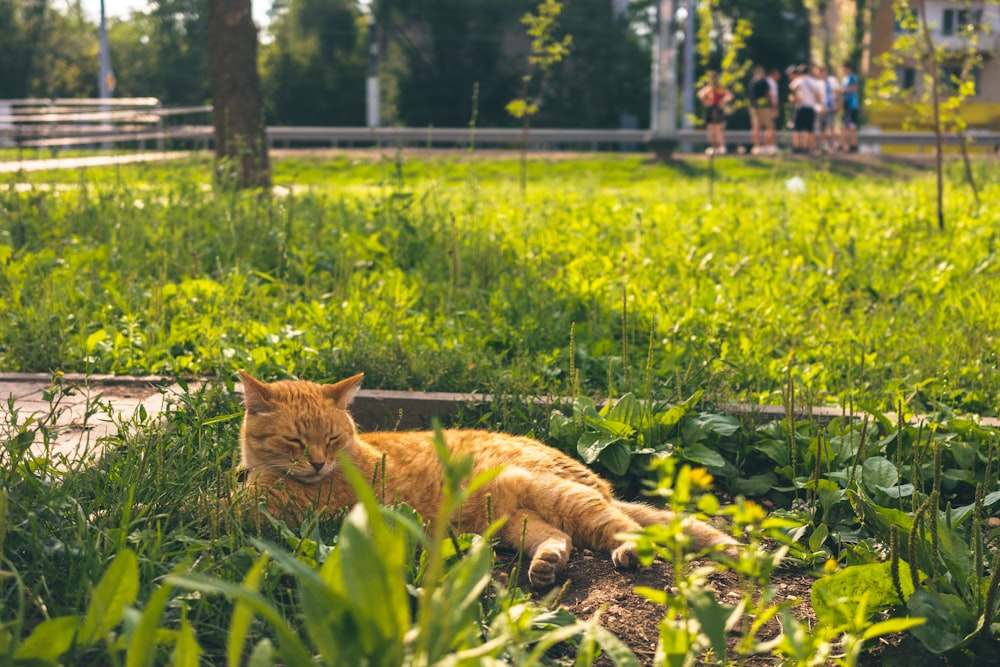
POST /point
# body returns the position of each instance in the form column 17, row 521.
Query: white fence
column 67, row 123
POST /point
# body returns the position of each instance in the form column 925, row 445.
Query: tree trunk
column 932, row 72
column 240, row 145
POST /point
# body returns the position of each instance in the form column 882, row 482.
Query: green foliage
column 546, row 51
column 625, row 435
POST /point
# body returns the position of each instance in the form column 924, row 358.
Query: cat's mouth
column 310, row 474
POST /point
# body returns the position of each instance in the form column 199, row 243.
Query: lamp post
column 371, row 84
column 105, row 77
column 687, row 101
column 663, row 114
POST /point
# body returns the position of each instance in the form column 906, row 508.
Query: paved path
column 75, row 414
column 89, row 161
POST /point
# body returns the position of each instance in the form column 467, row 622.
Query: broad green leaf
column 818, row 537
column 835, row 597
column 954, row 551
column 117, row 588
column 879, row 471
column 699, row 427
column 949, row 620
column 775, row 450
column 627, row 410
column 611, row 427
column 49, row 640
column 616, row 458
column 713, row 618
column 699, row 453
column 675, row 644
column 897, row 491
column 375, row 581
column 757, row 485
column 93, row 339
column 592, row 444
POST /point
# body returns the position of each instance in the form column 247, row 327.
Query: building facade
column 950, row 24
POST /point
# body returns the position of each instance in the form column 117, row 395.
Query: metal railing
column 59, row 124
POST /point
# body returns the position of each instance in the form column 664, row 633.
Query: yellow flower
column 752, row 513
column 701, row 478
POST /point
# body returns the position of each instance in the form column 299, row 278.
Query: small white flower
column 795, row 184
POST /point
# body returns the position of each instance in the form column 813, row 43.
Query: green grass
column 438, row 274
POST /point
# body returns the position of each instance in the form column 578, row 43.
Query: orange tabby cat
column 294, row 430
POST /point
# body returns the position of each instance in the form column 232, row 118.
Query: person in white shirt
column 807, row 97
column 828, row 116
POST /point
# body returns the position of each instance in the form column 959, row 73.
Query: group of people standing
column 823, row 110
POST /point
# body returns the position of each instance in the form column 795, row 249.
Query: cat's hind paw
column 548, row 561
column 625, row 556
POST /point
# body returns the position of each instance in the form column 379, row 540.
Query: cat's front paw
column 625, row 556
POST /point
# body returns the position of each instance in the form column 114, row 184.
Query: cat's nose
column 317, row 465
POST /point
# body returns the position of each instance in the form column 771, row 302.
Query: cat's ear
column 342, row 393
column 256, row 394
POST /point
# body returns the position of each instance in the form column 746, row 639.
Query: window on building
column 951, row 77
column 956, row 21
column 906, row 78
column 905, row 21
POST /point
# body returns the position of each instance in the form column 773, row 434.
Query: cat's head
column 297, row 427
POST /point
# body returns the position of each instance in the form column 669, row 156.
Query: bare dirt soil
column 593, row 584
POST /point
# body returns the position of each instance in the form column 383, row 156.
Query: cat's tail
column 703, row 535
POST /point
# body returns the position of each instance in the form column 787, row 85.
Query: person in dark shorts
column 806, row 98
column 715, row 97
column 761, row 112
column 851, row 102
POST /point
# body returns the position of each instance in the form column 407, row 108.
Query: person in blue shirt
column 850, row 96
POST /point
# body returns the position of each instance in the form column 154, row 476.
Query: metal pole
column 105, row 77
column 372, row 87
column 663, row 116
column 687, row 103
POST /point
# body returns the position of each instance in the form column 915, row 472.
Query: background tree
column 66, row 63
column 604, row 79
column 240, row 144
column 22, row 23
column 313, row 71
column 547, row 50
column 437, row 51
column 163, row 52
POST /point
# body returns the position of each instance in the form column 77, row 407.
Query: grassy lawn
column 609, row 273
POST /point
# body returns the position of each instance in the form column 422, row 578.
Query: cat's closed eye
column 295, row 443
